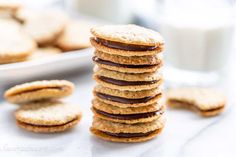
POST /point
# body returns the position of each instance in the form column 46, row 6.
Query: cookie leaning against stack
column 127, row 102
column 39, row 111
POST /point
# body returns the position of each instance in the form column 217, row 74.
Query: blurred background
column 199, row 35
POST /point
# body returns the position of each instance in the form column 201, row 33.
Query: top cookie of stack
column 127, row 48
column 127, row 102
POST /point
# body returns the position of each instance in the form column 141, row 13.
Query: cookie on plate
column 15, row 45
column 120, row 132
column 44, row 52
column 75, row 36
column 46, row 26
column 39, row 90
column 206, row 102
column 126, row 40
column 47, row 116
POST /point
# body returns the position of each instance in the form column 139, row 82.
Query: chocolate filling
column 123, row 46
column 101, row 61
column 128, row 116
column 124, row 100
column 125, row 83
column 128, row 135
column 188, row 105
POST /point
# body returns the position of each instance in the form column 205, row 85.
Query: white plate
column 52, row 65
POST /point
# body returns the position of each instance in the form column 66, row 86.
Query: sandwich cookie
column 47, row 116
column 126, row 40
column 127, row 115
column 206, row 102
column 119, row 132
column 124, row 81
column 15, row 45
column 39, row 90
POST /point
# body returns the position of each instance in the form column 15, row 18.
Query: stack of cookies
column 127, row 102
column 40, row 108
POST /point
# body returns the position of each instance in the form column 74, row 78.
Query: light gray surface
column 186, row 134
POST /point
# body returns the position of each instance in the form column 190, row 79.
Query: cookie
column 127, row 102
column 206, row 102
column 126, row 68
column 120, row 52
column 130, row 82
column 129, row 34
column 128, row 94
column 39, row 90
column 109, row 113
column 46, row 27
column 44, row 52
column 75, row 36
column 47, row 116
column 119, row 132
column 131, row 60
column 12, row 35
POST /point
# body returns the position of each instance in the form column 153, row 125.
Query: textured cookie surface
column 131, row 60
column 207, row 102
column 12, row 35
column 113, row 127
column 104, row 136
column 75, row 36
column 39, row 90
column 47, row 113
column 120, row 52
column 128, row 34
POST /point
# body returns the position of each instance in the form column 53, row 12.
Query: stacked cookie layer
column 127, row 102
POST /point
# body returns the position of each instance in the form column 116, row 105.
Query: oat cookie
column 39, row 90
column 118, row 132
column 48, row 116
column 128, row 34
column 207, row 102
column 12, row 35
column 75, row 36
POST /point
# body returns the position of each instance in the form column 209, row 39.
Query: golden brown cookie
column 120, row 52
column 127, row 102
column 46, row 26
column 15, row 45
column 75, row 36
column 131, row 60
column 39, row 90
column 128, row 34
column 126, row 68
column 118, row 132
column 48, row 116
column 206, row 102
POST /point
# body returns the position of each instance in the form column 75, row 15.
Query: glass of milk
column 198, row 39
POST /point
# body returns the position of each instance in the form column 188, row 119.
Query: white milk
column 198, row 40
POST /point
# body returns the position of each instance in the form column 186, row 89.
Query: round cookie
column 39, row 90
column 12, row 35
column 44, row 52
column 130, row 82
column 128, row 94
column 127, row 102
column 109, row 113
column 118, row 132
column 128, row 34
column 75, row 36
column 126, row 68
column 48, row 116
column 46, row 26
column 130, row 60
column 113, row 51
